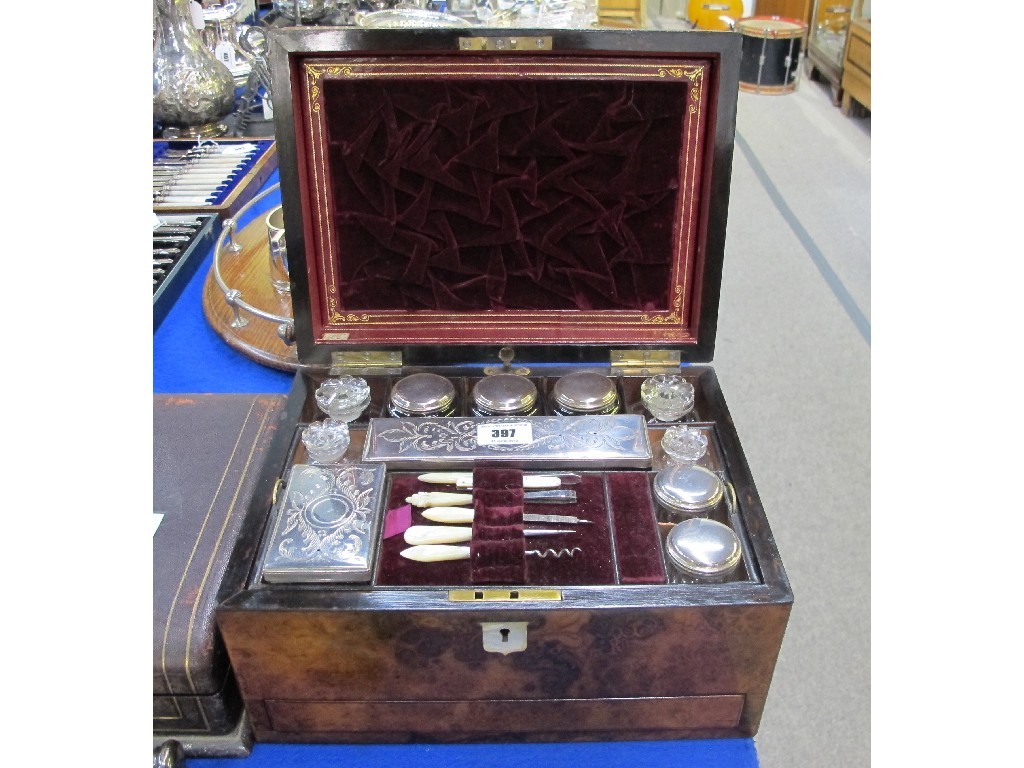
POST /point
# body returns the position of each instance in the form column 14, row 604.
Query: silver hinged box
column 326, row 525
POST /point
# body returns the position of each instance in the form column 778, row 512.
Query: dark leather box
column 470, row 201
column 211, row 485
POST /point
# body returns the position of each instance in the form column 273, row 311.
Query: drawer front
column 858, row 85
column 480, row 718
column 860, row 54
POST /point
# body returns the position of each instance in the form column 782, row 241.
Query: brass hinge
column 502, row 595
column 646, row 361
column 374, row 361
column 523, row 43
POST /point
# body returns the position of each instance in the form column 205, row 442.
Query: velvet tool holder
column 497, row 549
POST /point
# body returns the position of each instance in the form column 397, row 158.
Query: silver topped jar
column 584, row 393
column 422, row 394
column 688, row 490
column 701, row 550
column 504, row 394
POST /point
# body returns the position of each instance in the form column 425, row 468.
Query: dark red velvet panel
column 504, row 194
column 594, row 565
column 497, row 551
column 637, row 541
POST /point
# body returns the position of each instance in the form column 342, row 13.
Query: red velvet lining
column 497, row 552
column 594, row 565
column 499, row 194
column 637, row 541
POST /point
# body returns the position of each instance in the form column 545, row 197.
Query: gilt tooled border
column 337, row 321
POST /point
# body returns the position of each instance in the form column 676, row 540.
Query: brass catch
column 376, row 361
column 502, row 595
column 646, row 361
column 511, row 43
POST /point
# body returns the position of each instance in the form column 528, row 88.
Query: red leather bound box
column 531, row 202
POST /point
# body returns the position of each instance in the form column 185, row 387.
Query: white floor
column 793, row 356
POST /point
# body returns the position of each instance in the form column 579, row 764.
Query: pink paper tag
column 397, row 520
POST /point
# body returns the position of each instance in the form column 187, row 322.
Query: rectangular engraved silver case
column 326, row 526
column 559, row 442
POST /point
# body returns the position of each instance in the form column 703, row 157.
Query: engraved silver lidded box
column 688, row 490
column 584, row 393
column 702, row 550
column 504, row 394
column 326, row 525
column 423, row 394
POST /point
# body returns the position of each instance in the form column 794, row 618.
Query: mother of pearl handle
column 449, row 514
column 437, row 534
column 439, row 499
column 435, row 553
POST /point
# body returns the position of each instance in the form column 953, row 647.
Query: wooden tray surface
column 248, row 272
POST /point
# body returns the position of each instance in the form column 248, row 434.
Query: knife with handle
column 465, row 479
column 443, row 499
column 437, row 553
column 465, row 515
column 450, row 534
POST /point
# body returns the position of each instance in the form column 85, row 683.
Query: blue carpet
column 719, row 753
column 189, row 356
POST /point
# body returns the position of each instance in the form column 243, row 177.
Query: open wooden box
column 453, row 199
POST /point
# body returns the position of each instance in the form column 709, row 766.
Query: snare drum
column 771, row 53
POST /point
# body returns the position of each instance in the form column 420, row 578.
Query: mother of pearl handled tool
column 465, row 479
column 442, row 499
column 437, row 553
column 465, row 515
column 450, row 534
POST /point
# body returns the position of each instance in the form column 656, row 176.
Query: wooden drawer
column 859, row 54
column 857, row 85
column 478, row 718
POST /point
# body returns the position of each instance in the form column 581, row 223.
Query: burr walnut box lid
column 564, row 195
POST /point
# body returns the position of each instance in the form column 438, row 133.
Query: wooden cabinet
column 826, row 44
column 800, row 10
column 856, row 83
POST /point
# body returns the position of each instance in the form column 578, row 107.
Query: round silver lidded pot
column 584, row 393
column 688, row 490
column 504, row 394
column 701, row 550
column 422, row 394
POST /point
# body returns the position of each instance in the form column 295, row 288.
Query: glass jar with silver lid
column 688, row 491
column 422, row 394
column 504, row 394
column 584, row 393
column 702, row 551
